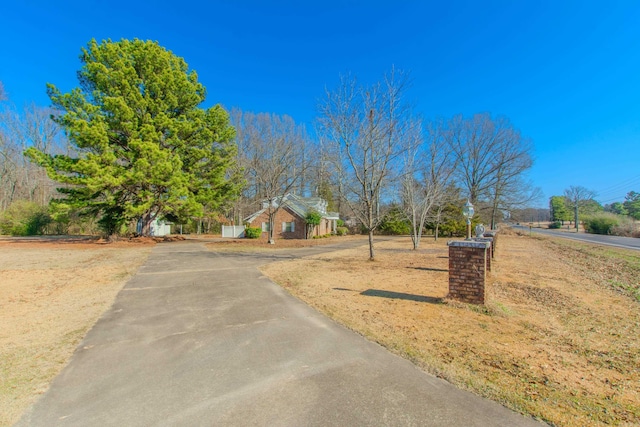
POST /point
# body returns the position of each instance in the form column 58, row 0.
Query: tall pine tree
column 143, row 146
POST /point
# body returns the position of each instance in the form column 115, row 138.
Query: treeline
column 577, row 205
column 132, row 145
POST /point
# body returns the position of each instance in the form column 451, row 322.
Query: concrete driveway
column 199, row 338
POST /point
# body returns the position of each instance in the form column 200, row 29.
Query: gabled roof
column 301, row 206
column 253, row 216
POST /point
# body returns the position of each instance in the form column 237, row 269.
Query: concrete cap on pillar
column 469, row 244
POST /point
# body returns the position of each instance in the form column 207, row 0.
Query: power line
column 619, row 187
column 624, row 183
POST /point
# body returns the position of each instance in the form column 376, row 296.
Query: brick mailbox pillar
column 494, row 235
column 490, row 249
column 468, row 270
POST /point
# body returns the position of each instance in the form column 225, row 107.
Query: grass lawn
column 559, row 338
column 51, row 294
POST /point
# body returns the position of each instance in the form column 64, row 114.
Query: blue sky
column 567, row 74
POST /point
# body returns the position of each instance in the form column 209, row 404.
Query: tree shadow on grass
column 399, row 295
column 444, row 270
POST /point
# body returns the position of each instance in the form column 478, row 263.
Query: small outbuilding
column 158, row 227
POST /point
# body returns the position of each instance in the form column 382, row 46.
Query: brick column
column 490, row 249
column 494, row 235
column 468, row 270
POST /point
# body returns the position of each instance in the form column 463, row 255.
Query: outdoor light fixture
column 467, row 211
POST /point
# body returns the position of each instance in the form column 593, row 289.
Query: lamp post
column 467, row 211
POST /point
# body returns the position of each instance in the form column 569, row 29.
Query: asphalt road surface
column 202, row 338
column 617, row 241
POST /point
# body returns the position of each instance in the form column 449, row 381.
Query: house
column 290, row 221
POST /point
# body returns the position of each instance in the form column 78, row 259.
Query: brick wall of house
column 468, row 271
column 283, row 215
column 323, row 228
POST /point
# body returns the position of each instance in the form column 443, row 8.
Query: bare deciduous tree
column 577, row 197
column 272, row 153
column 491, row 158
column 428, row 169
column 20, row 179
column 510, row 195
column 366, row 126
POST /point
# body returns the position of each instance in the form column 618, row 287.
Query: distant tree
column 272, row 156
column 530, row 214
column 327, row 183
column 324, row 190
column 143, row 147
column 428, row 167
column 448, row 209
column 395, row 222
column 450, row 221
column 578, row 198
column 632, row 204
column 491, row 158
column 365, row 127
column 558, row 209
column 24, row 218
column 591, row 207
column 616, row 208
column 19, row 178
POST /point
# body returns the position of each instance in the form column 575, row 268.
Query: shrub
column 313, row 218
column 395, row 223
column 24, row 218
column 112, row 221
column 555, row 224
column 627, row 227
column 252, row 232
column 600, row 224
column 340, row 223
column 37, row 222
column 342, row 231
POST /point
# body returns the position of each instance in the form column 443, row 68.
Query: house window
column 288, row 227
column 265, row 226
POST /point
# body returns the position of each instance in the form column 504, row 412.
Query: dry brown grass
column 50, row 296
column 262, row 245
column 558, row 339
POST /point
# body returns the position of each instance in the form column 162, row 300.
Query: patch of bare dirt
column 52, row 291
column 555, row 340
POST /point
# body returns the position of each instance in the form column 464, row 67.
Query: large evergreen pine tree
column 144, row 148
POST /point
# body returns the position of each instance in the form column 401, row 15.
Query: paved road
column 199, row 338
column 617, row 241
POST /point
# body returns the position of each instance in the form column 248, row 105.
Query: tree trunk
column 371, row 253
column 414, row 235
column 147, row 218
column 494, row 212
column 271, row 220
